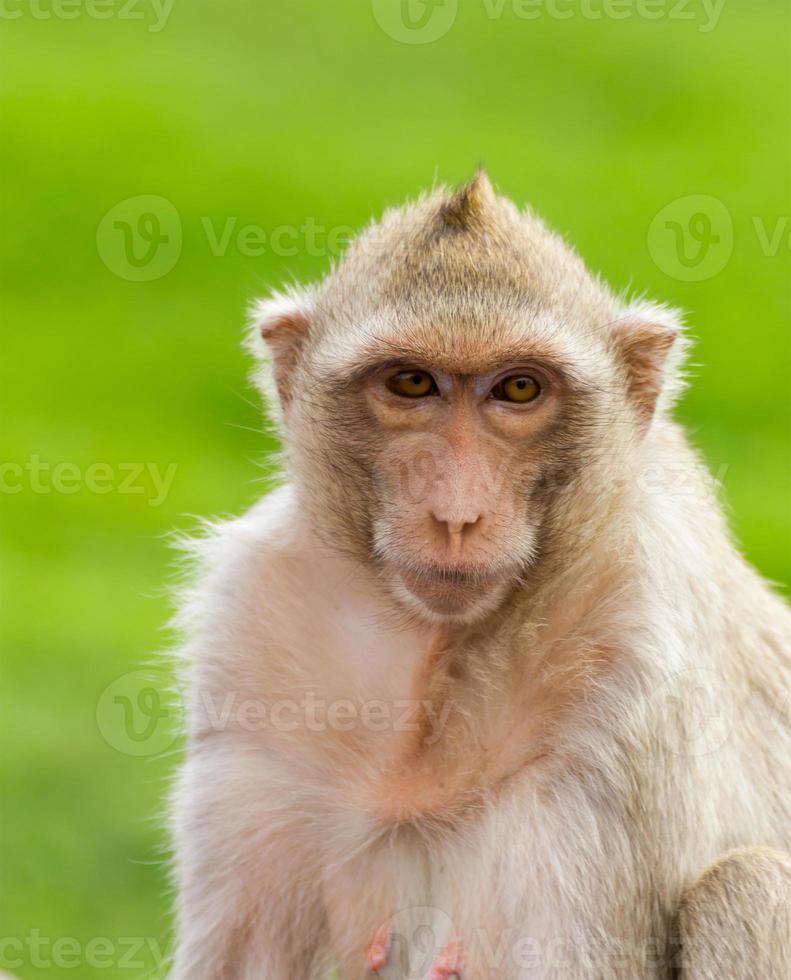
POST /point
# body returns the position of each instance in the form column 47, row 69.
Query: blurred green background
column 294, row 121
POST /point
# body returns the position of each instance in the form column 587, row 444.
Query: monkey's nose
column 459, row 527
column 455, row 531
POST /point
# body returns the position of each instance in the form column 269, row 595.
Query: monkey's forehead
column 483, row 260
column 458, row 343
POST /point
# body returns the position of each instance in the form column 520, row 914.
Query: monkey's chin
column 460, row 600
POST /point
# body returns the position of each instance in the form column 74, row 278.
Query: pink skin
column 378, row 950
column 449, row 963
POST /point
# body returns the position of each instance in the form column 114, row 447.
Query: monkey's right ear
column 280, row 327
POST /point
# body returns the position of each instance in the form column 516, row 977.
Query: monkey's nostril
column 457, row 528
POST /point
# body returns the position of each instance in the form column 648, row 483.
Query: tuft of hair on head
column 466, row 206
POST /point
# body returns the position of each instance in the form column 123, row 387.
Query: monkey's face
column 457, row 462
column 456, row 458
column 459, row 397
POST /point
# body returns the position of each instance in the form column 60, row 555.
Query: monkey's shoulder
column 235, row 561
column 263, row 584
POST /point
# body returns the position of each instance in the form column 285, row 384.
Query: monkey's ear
column 651, row 345
column 280, row 327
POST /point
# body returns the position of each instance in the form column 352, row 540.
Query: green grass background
column 274, row 113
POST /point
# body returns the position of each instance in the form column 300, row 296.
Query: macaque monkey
column 483, row 689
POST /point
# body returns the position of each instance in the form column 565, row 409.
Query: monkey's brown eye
column 519, row 388
column 412, row 384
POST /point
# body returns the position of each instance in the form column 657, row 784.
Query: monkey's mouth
column 450, row 576
column 449, row 591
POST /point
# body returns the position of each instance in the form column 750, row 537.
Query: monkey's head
column 460, row 397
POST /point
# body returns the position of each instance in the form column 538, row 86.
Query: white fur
column 290, row 852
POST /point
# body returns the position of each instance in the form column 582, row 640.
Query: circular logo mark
column 417, row 936
column 415, row 21
column 139, row 239
column 698, row 711
column 691, row 238
column 135, row 718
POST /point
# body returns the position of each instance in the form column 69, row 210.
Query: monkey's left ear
column 281, row 324
column 651, row 345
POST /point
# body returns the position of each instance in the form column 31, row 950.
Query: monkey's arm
column 249, row 904
column 735, row 921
